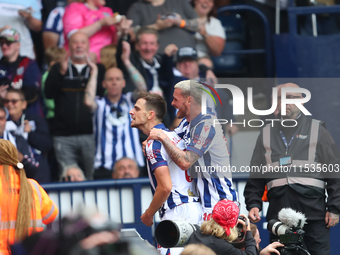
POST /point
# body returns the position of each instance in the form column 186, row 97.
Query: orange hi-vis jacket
column 45, row 209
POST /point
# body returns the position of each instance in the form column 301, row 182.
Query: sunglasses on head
column 13, row 101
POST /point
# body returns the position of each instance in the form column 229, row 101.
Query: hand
column 201, row 23
column 231, row 130
column 107, row 21
column 93, row 66
column 97, row 239
column 124, row 26
column 26, row 14
column 20, row 156
column 202, row 31
column 163, row 24
column 64, row 64
column 147, row 219
column 245, row 224
column 3, row 90
column 254, row 215
column 177, row 21
column 271, row 248
column 331, row 219
column 143, row 147
column 170, row 50
column 211, row 78
column 126, row 51
column 27, row 127
column 155, row 134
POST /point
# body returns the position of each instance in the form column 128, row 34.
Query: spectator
column 53, row 31
column 19, row 72
column 114, row 136
column 52, row 55
column 94, row 20
column 174, row 19
column 108, row 56
column 25, row 154
column 33, row 128
column 72, row 125
column 156, row 69
column 220, row 230
column 125, row 168
column 188, row 67
column 210, row 39
column 22, row 201
column 22, row 15
column 73, row 173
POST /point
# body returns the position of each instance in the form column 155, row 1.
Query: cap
column 186, row 52
column 225, row 213
column 10, row 34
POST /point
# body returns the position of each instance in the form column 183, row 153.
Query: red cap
column 225, row 213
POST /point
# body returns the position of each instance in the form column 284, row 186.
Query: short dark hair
column 18, row 91
column 154, row 102
column 146, row 30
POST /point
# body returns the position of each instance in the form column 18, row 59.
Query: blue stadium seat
column 229, row 63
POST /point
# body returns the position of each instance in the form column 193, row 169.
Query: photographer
column 221, row 230
column 268, row 250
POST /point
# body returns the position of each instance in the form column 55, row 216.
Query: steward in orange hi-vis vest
column 24, row 204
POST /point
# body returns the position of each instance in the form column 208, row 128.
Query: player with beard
column 205, row 144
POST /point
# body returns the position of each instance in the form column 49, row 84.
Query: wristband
column 182, row 23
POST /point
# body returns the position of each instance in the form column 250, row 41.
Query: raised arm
column 135, row 75
column 91, row 87
column 184, row 159
column 32, row 22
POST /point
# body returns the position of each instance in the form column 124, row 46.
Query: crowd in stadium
column 100, row 102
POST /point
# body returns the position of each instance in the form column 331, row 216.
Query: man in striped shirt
column 114, row 137
column 172, row 188
column 206, row 152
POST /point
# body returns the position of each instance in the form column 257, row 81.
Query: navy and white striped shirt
column 113, row 134
column 182, row 188
column 208, row 141
column 54, row 23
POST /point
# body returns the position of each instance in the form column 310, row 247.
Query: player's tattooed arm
column 184, row 159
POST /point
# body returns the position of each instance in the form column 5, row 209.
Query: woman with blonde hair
column 24, row 205
column 221, row 230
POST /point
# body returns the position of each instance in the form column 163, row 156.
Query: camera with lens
column 239, row 242
column 171, row 233
column 289, row 230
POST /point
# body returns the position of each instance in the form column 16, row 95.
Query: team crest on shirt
column 106, row 14
column 20, row 70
